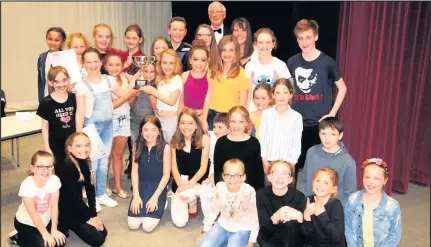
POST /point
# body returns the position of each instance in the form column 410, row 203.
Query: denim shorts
column 122, row 125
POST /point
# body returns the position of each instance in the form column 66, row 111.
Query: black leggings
column 89, row 234
column 29, row 236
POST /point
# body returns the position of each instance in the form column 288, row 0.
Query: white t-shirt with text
column 41, row 198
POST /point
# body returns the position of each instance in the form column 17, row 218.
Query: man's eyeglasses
column 231, row 176
column 41, row 168
column 216, row 12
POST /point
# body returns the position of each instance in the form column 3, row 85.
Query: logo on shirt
column 42, row 204
column 305, row 79
column 263, row 78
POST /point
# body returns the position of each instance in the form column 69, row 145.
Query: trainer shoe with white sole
column 98, row 207
column 107, row 201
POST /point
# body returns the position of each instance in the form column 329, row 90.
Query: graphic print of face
column 305, row 79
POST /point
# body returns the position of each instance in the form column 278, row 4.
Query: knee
column 98, row 240
column 133, row 223
column 149, row 226
column 180, row 222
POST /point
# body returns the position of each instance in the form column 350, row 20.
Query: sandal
column 122, row 194
column 108, row 192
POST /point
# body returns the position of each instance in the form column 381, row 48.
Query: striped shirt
column 280, row 135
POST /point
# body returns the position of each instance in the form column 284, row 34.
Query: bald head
column 216, row 13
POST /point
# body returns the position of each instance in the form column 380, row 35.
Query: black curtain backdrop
column 281, row 17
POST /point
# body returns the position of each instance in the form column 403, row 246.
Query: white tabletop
column 20, row 125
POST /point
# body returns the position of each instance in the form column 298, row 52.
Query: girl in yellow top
column 262, row 100
column 229, row 83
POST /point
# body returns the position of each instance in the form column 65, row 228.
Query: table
column 13, row 128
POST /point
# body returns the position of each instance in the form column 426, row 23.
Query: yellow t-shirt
column 225, row 93
column 368, row 228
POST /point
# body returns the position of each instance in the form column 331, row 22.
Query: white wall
column 23, row 28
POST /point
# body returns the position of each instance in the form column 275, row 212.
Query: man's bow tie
column 218, row 30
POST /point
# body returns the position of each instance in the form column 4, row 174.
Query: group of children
column 230, row 133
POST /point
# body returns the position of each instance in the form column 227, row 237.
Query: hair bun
column 199, row 43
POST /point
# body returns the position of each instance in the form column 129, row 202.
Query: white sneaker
column 166, row 204
column 98, row 207
column 107, row 201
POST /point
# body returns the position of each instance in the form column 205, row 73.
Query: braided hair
column 69, row 143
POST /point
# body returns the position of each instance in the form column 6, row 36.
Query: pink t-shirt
column 41, row 198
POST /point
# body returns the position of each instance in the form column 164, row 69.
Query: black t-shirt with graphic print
column 60, row 116
column 314, row 86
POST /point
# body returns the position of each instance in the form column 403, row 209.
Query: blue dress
column 150, row 170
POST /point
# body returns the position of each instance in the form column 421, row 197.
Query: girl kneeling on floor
column 190, row 156
column 151, row 169
column 76, row 174
column 37, row 216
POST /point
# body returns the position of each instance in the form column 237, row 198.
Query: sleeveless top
column 188, row 164
column 195, row 90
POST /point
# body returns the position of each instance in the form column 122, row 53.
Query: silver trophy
column 142, row 62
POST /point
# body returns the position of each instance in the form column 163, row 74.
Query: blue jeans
column 102, row 118
column 217, row 236
column 100, row 167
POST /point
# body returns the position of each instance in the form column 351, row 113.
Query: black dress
column 189, row 164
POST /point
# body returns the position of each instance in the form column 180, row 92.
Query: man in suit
column 217, row 14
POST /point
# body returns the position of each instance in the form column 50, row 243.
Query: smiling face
column 239, row 33
column 323, row 185
column 264, row 44
column 102, row 38
column 307, row 40
column 228, row 53
column 374, row 179
column 54, row 41
column 150, row 72
column 199, row 60
column 150, row 132
column 168, row 64
column 92, row 63
column 237, row 123
column 177, row 31
column 204, row 34
column 261, row 99
column 60, row 83
column 234, row 176
column 216, row 14
column 280, row 176
column 114, row 66
column 159, row 46
column 42, row 168
column 80, row 147
column 187, row 126
column 282, row 95
column 78, row 45
column 132, row 40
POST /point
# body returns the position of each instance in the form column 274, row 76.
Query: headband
column 376, row 161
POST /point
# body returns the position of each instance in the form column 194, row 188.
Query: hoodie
column 341, row 162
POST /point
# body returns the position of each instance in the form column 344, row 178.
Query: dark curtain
column 281, row 17
column 384, row 55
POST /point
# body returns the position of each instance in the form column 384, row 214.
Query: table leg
column 11, row 152
column 17, row 152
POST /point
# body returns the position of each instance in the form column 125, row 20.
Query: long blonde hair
column 69, row 143
column 161, row 78
column 217, row 73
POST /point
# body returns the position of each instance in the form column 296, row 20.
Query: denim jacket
column 386, row 221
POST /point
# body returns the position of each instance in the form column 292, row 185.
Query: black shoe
column 13, row 237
